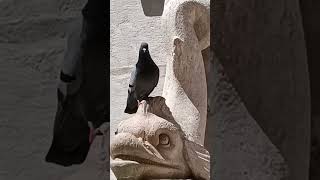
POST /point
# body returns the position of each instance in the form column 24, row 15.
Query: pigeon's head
column 144, row 47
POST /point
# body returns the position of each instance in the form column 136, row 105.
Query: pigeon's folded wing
column 133, row 79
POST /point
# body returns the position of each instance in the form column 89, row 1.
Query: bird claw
column 92, row 132
column 92, row 135
column 145, row 109
column 144, row 106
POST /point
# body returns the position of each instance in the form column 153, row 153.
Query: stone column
column 187, row 30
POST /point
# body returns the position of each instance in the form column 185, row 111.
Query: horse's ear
column 198, row 159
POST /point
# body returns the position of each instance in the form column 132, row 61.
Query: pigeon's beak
column 144, row 49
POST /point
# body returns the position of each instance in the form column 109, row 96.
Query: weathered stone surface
column 260, row 46
column 148, row 146
column 240, row 148
column 185, row 88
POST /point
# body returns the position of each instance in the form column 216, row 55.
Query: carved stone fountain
column 165, row 138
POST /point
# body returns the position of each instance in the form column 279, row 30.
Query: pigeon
column 82, row 96
column 71, row 132
column 144, row 78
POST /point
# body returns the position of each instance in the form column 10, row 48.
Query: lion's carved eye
column 164, row 140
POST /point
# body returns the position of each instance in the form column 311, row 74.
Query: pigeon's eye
column 116, row 132
column 164, row 140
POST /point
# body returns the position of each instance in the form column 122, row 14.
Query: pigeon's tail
column 61, row 156
column 132, row 105
column 72, row 136
column 70, row 144
column 131, row 110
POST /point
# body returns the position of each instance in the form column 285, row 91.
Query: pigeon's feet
column 144, row 106
column 93, row 132
column 139, row 103
column 102, row 149
column 91, row 136
column 101, row 131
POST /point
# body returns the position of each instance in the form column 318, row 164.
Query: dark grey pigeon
column 82, row 93
column 144, row 78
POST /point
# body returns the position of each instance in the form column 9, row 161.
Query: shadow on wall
column 152, row 7
column 310, row 12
